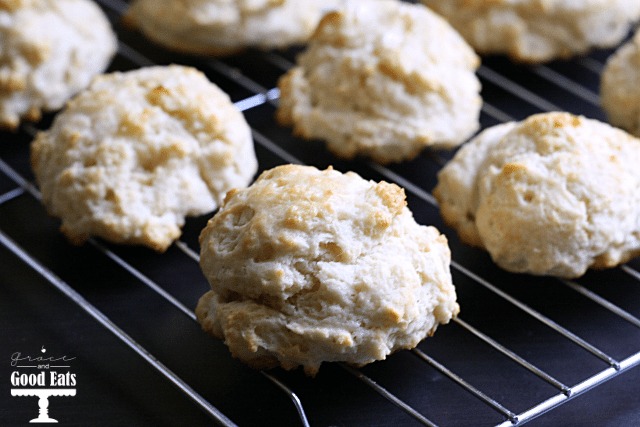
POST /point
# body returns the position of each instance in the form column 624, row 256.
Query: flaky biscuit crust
column 553, row 195
column 308, row 266
column 383, row 79
column 49, row 50
column 539, row 30
column 134, row 153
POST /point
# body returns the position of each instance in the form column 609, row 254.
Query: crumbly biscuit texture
column 49, row 50
column 554, row 195
column 308, row 266
column 134, row 153
column 539, row 30
column 220, row 27
column 383, row 79
column 620, row 88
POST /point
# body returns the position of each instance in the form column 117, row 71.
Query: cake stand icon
column 43, row 401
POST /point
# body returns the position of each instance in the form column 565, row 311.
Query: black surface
column 117, row 387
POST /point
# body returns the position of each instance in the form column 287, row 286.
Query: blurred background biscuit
column 219, row 27
column 49, row 50
column 539, row 30
column 620, row 87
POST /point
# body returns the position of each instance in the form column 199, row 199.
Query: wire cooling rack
column 521, row 346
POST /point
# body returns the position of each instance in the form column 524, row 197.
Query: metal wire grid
column 260, row 96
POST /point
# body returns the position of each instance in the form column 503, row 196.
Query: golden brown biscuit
column 310, row 266
column 136, row 152
column 554, row 195
column 383, row 79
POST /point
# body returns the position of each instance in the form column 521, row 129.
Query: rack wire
column 510, row 92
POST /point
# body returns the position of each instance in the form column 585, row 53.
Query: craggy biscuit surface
column 308, row 266
column 555, row 194
column 383, row 79
column 49, row 50
column 220, row 27
column 539, row 30
column 620, row 88
column 135, row 152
